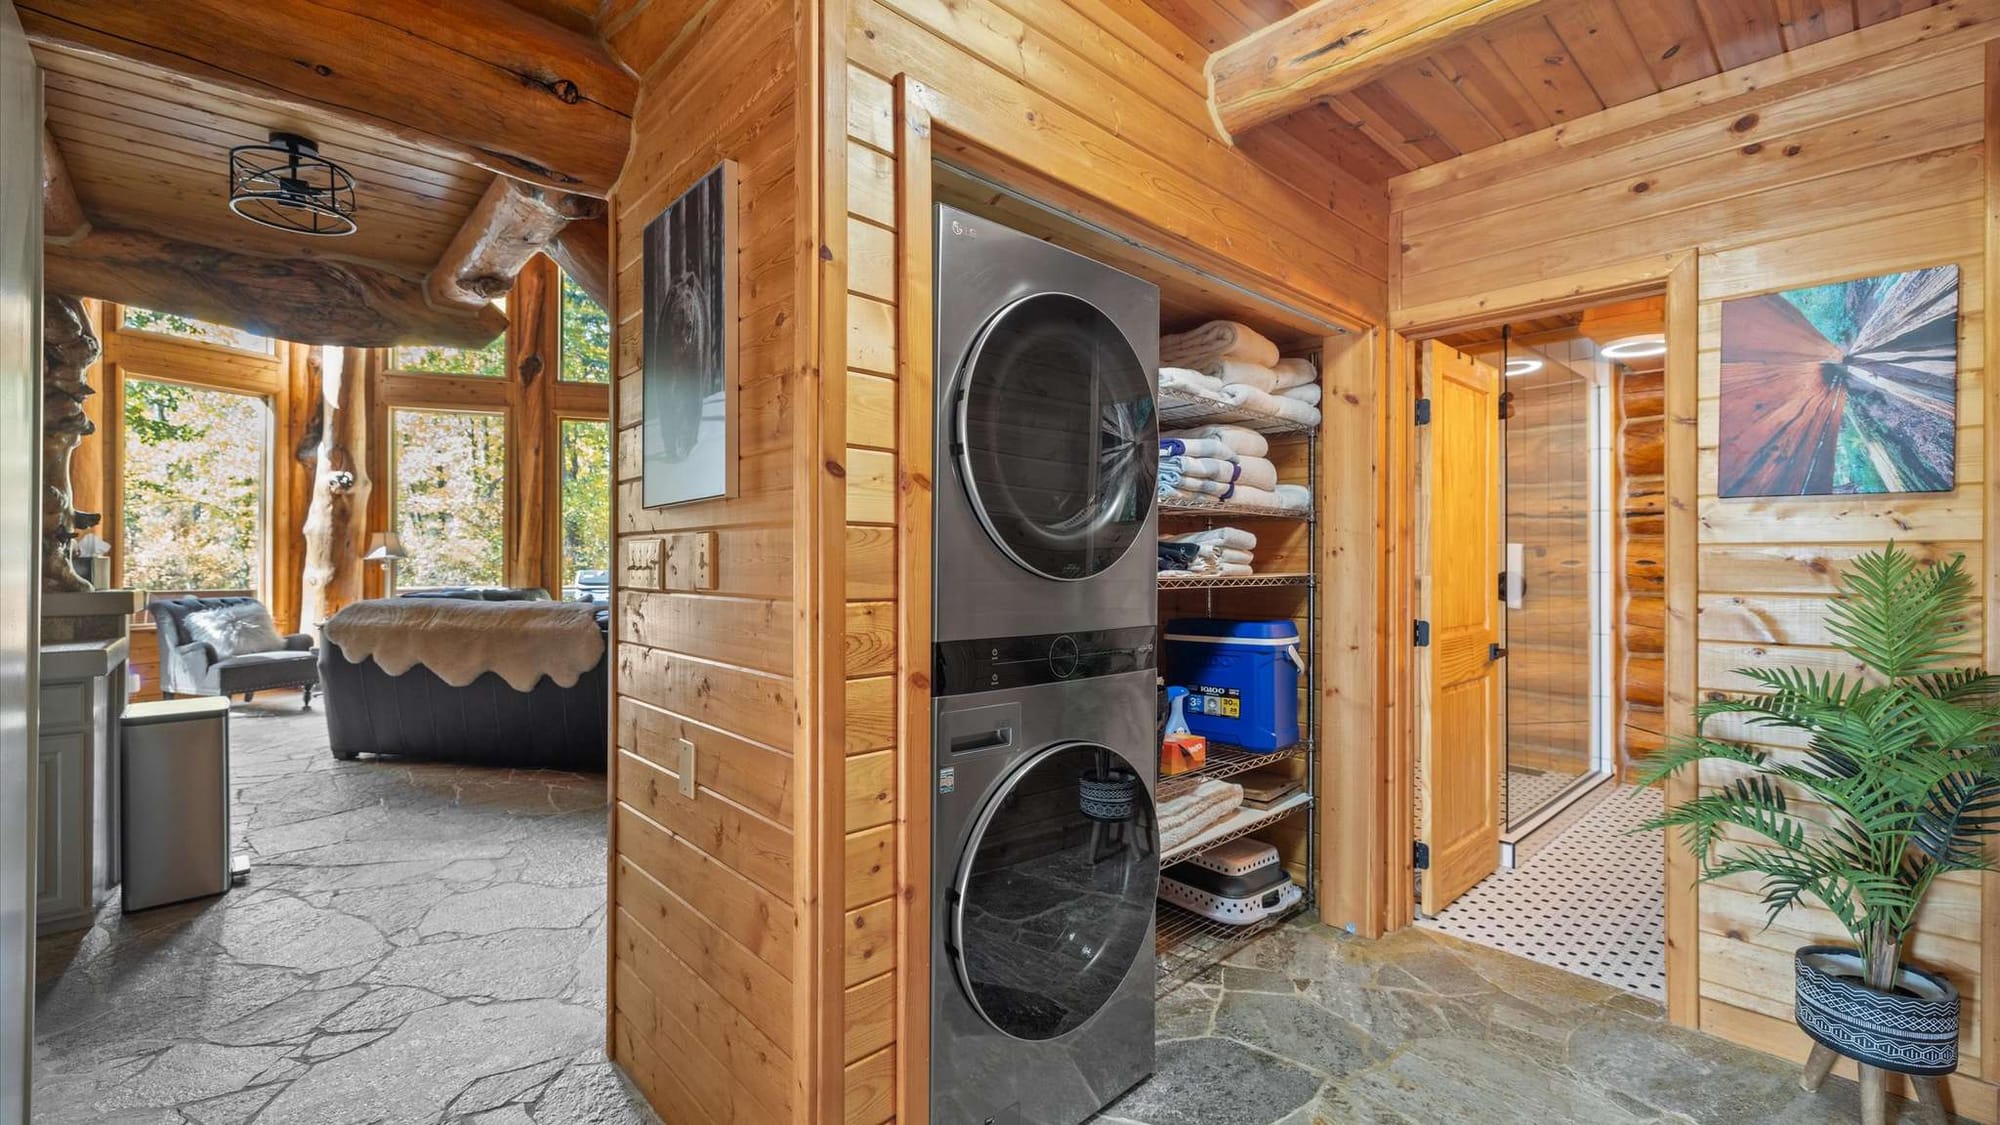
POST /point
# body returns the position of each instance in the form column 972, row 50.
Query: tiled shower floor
column 1591, row 902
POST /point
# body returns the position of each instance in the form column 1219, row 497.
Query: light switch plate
column 687, row 766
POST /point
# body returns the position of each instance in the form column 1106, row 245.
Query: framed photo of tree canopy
column 688, row 374
column 1841, row 389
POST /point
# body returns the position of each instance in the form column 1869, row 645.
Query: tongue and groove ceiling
column 1554, row 63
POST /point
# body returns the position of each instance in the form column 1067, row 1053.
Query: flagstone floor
column 423, row 945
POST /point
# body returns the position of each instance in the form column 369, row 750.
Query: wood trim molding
column 1989, row 952
column 915, row 412
column 1682, row 571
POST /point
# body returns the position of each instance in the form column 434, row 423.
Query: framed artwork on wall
column 1841, row 389
column 689, row 354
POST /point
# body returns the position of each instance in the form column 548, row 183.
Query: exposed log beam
column 308, row 300
column 1332, row 47
column 63, row 217
column 583, row 250
column 510, row 224
column 477, row 79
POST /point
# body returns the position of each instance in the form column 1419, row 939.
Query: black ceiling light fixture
column 289, row 186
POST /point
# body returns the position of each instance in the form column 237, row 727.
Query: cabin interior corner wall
column 1864, row 154
column 704, row 989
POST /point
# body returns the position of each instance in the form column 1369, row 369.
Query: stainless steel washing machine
column 1047, row 439
column 1045, row 866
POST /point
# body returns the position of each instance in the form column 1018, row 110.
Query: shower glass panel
column 1551, row 505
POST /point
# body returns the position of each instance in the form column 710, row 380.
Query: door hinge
column 1495, row 652
column 1502, row 586
column 1423, row 639
column 1423, row 412
column 1420, row 856
column 1506, row 405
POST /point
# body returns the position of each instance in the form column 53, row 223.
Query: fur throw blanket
column 460, row 640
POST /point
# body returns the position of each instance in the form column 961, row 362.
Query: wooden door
column 1459, row 745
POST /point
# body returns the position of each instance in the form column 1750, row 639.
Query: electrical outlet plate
column 687, row 766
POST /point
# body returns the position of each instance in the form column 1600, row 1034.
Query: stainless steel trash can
column 176, row 801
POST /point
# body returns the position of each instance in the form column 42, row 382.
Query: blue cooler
column 1242, row 679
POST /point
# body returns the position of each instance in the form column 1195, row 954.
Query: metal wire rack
column 1244, row 822
column 1187, row 944
column 1224, row 761
column 1231, row 581
column 1227, row 508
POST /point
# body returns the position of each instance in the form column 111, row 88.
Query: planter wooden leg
column 1930, row 1100
column 1818, row 1067
column 1874, row 1097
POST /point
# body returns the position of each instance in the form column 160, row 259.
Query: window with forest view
column 586, row 497
column 196, row 463
column 188, row 328
column 449, row 504
column 586, row 337
column 490, row 360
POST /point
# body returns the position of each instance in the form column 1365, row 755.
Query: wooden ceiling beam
column 480, row 80
column 583, row 250
column 1333, row 47
column 510, row 224
column 63, row 217
column 306, row 300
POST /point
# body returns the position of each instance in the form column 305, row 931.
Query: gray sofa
column 190, row 667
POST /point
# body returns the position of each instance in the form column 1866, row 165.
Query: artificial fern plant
column 1901, row 764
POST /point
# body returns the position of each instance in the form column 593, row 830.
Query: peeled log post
column 510, row 224
column 336, row 526
column 583, row 250
column 69, row 347
column 63, row 218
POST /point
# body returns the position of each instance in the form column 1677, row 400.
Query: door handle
column 983, row 740
column 1495, row 652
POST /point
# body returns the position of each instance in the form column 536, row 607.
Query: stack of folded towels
column 1221, row 551
column 1217, row 463
column 1229, row 363
column 1208, row 804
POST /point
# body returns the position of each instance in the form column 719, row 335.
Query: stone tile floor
column 1307, row 1027
column 423, row 943
column 417, row 943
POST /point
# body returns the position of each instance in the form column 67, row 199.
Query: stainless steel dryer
column 1047, row 442
column 1045, row 866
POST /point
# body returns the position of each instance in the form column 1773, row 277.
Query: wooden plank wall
column 1860, row 155
column 1642, row 442
column 703, row 998
column 1078, row 106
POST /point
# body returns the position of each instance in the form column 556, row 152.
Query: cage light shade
column 385, row 545
column 287, row 185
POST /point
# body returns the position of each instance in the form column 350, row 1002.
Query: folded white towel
column 1183, row 818
column 1189, row 382
column 1218, row 339
column 1239, row 371
column 1234, row 570
column 1225, row 536
column 1205, row 486
column 1208, row 468
column 1293, row 373
column 1243, row 441
column 1196, row 447
column 1230, row 556
column 1308, row 394
column 1276, row 406
column 1188, row 498
column 1255, row 472
column 1294, row 496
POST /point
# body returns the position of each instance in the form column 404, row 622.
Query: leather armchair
column 190, row 667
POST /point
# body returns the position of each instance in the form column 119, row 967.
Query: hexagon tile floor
column 417, row 943
column 423, row 945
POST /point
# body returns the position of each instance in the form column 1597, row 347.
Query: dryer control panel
column 1009, row 662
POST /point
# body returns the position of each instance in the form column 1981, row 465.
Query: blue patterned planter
column 1109, row 796
column 1913, row 1030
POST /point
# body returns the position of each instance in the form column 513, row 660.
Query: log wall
column 1861, row 155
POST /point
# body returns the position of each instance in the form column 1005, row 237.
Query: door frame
column 1674, row 275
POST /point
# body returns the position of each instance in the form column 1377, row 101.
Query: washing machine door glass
column 1054, row 894
column 1057, row 441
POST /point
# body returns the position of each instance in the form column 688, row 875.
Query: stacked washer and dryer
column 1045, row 848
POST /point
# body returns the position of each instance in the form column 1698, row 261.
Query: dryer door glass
column 1057, row 441
column 1054, row 896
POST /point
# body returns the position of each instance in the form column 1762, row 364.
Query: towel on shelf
column 1239, row 371
column 1295, row 497
column 1186, row 498
column 1178, row 558
column 1275, row 406
column 1241, row 440
column 1197, row 447
column 1253, row 471
column 1222, row 536
column 1308, row 394
column 1293, row 373
column 1189, row 382
column 1230, row 556
column 1218, row 339
column 1208, row 804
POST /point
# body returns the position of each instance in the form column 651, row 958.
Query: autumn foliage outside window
column 196, row 462
column 450, row 501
